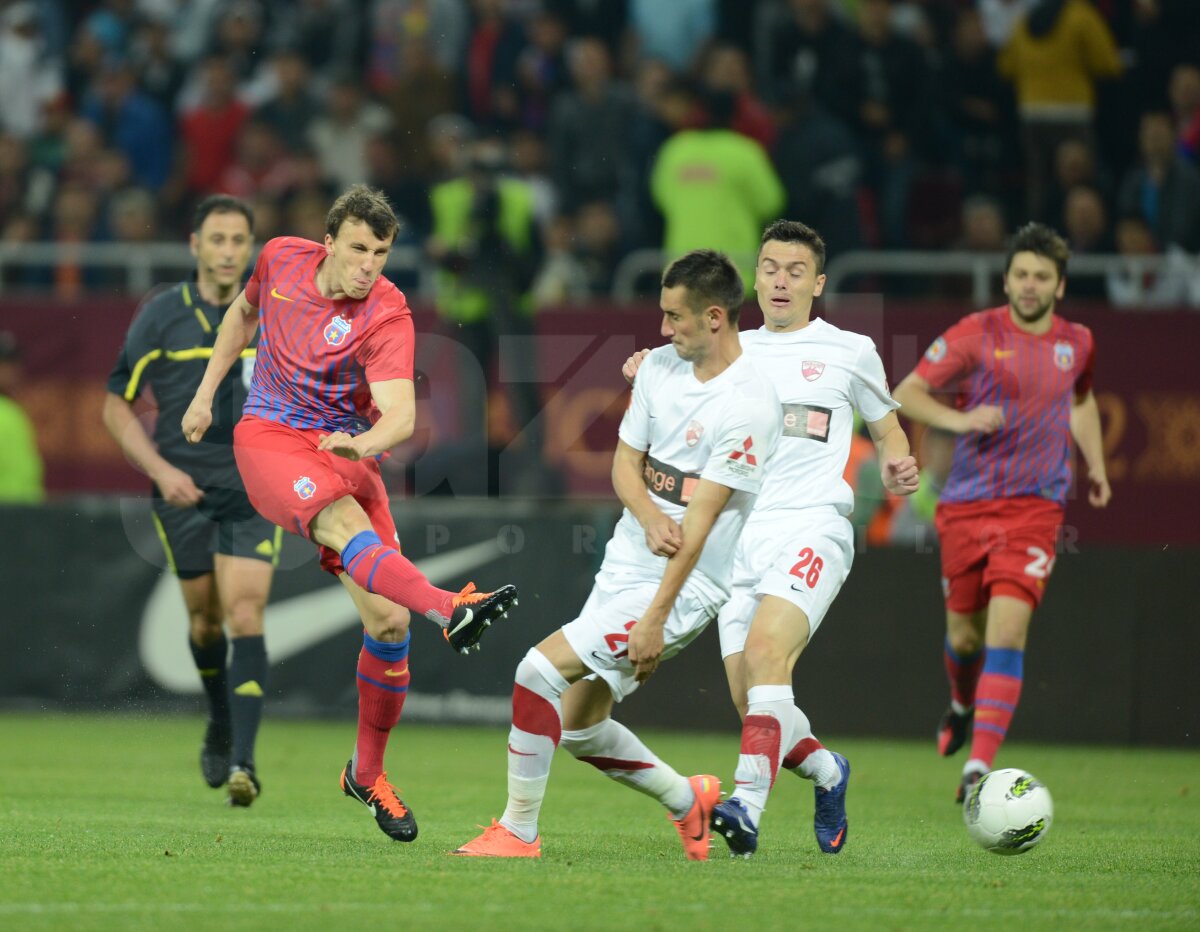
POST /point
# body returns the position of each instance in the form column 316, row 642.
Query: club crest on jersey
column 337, row 330
column 1064, row 355
column 811, row 369
column 305, row 488
column 695, row 430
column 937, row 350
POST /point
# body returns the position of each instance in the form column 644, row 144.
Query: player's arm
column 897, row 466
column 236, row 330
column 920, row 405
column 122, row 422
column 397, row 401
column 1085, row 428
column 663, row 535
column 646, row 637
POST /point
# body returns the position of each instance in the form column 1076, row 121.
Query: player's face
column 1033, row 285
column 688, row 331
column 786, row 281
column 222, row 248
column 358, row 257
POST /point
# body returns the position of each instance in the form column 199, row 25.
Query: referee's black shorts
column 224, row 522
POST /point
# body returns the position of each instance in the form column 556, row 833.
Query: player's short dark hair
column 1040, row 240
column 710, row 278
column 793, row 231
column 367, row 204
column 221, row 204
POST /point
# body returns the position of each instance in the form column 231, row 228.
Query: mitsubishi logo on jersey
column 695, row 430
column 336, row 331
column 751, row 460
column 812, row 369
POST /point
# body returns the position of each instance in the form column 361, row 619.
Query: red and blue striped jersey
column 317, row 356
column 987, row 360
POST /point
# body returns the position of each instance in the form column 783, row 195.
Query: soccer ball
column 1008, row 811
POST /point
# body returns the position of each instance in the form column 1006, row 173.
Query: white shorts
column 803, row 561
column 600, row 635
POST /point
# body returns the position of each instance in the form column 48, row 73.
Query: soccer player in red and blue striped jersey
column 1022, row 384
column 332, row 392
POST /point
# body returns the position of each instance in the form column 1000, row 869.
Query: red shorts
column 289, row 480
column 999, row 547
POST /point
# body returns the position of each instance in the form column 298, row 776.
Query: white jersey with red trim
column 723, row 430
column 822, row 374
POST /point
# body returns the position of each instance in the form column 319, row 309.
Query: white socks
column 535, row 732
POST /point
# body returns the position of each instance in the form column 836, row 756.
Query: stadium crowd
column 574, row 131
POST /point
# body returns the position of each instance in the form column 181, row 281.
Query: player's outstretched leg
column 391, row 815
column 383, row 570
column 474, row 613
column 829, row 811
column 996, row 700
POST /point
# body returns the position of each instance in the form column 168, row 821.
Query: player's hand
column 1099, row 491
column 985, row 419
column 645, row 648
column 663, row 535
column 177, row 488
column 342, row 444
column 901, row 475
column 632, row 364
column 196, row 420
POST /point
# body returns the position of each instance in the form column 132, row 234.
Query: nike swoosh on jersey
column 1003, row 353
column 293, row 625
column 281, row 297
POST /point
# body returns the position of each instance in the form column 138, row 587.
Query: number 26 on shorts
column 808, row 568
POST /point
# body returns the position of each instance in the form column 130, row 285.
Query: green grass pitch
column 106, row 824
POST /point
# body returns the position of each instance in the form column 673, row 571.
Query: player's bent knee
column 387, row 623
column 537, row 673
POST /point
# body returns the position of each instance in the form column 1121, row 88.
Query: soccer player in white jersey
column 796, row 550
column 692, row 450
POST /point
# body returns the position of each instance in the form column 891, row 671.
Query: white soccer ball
column 1008, row 811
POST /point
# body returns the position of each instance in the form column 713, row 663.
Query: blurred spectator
column 673, row 32
column 324, row 33
column 1000, row 18
column 422, row 90
column 809, row 52
column 131, row 121
column 978, row 105
column 449, row 138
column 1131, row 285
column 527, row 154
column 292, row 108
column 268, row 219
column 597, row 245
column 561, row 278
column 588, row 126
column 1074, row 165
column 604, row 19
column 306, row 216
column 159, row 72
column 983, row 225
column 340, row 134
column 821, row 170
column 1184, row 92
column 1163, row 189
column 724, row 68
column 1085, row 224
column 73, row 220
column 239, row 37
column 889, row 90
column 210, row 130
column 263, row 165
column 541, row 69
column 20, row 461
column 493, row 49
column 716, row 189
column 408, row 193
column 484, row 242
column 442, row 26
column 133, row 217
column 24, row 188
column 1054, row 59
column 29, row 77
